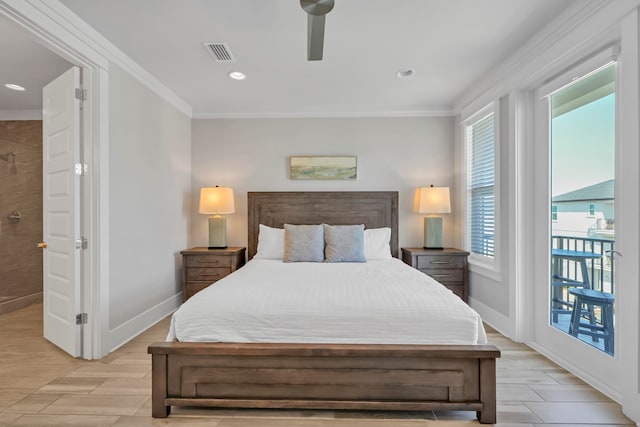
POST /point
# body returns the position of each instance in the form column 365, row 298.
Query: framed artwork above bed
column 323, row 167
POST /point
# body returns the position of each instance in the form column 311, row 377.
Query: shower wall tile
column 21, row 190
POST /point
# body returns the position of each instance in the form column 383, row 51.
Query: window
column 481, row 224
column 554, row 212
column 580, row 128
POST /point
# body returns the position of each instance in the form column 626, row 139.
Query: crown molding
column 535, row 60
column 327, row 114
column 47, row 31
column 50, row 18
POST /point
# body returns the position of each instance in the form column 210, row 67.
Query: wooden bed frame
column 324, row 376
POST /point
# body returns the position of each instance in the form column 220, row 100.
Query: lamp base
column 217, row 247
column 217, row 232
column 425, row 247
column 433, row 232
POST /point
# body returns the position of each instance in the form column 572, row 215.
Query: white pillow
column 270, row 243
column 376, row 243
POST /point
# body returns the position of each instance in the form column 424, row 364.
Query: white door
column 575, row 223
column 61, row 212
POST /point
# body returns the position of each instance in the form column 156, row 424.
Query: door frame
column 595, row 367
column 51, row 30
column 629, row 130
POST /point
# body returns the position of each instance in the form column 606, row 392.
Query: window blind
column 481, row 186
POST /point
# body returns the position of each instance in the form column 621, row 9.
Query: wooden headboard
column 374, row 209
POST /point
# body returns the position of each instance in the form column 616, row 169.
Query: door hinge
column 81, row 94
column 81, row 318
column 81, row 169
column 82, row 243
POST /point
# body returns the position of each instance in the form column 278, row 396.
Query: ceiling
column 26, row 63
column 449, row 43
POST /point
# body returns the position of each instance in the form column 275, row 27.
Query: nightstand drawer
column 448, row 266
column 207, row 274
column 203, row 266
column 445, row 275
column 208, row 261
column 440, row 261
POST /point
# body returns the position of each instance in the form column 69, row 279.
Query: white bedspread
column 378, row 302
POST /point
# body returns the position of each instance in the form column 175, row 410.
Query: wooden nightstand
column 448, row 266
column 202, row 267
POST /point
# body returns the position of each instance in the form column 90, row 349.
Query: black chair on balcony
column 560, row 280
column 584, row 302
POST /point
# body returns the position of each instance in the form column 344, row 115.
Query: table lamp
column 433, row 200
column 216, row 201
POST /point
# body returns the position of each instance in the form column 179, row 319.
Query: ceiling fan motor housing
column 317, row 7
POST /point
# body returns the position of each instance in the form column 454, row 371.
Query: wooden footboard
column 323, row 376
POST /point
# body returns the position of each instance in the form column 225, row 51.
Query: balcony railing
column 582, row 256
column 601, row 270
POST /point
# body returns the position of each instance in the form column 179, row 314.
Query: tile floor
column 42, row 386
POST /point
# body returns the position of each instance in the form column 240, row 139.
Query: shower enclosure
column 20, row 213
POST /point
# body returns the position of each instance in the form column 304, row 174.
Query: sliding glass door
column 582, row 250
column 575, row 227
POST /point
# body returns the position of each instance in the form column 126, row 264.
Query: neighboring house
column 585, row 212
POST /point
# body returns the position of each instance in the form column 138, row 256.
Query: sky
column 583, row 151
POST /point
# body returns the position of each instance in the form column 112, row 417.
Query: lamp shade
column 434, row 200
column 216, row 200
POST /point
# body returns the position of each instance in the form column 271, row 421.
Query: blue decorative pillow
column 344, row 243
column 303, row 243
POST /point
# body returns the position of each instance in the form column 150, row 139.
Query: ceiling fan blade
column 315, row 37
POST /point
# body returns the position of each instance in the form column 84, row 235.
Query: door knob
column 42, row 245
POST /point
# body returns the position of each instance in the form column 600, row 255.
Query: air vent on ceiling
column 220, row 52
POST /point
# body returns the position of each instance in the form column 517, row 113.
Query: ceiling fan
column 316, row 9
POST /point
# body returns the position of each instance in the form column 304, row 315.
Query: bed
column 324, row 375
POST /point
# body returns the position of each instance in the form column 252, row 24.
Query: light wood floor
column 42, row 386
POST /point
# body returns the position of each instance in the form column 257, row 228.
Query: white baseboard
column 493, row 318
column 124, row 333
column 571, row 367
column 20, row 114
column 502, row 324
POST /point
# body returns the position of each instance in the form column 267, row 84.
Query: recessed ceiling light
column 14, row 87
column 405, row 73
column 237, row 75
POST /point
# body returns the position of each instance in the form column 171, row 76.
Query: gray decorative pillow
column 303, row 243
column 344, row 243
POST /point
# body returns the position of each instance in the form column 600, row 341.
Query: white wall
column 149, row 186
column 582, row 31
column 394, row 154
column 20, row 114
